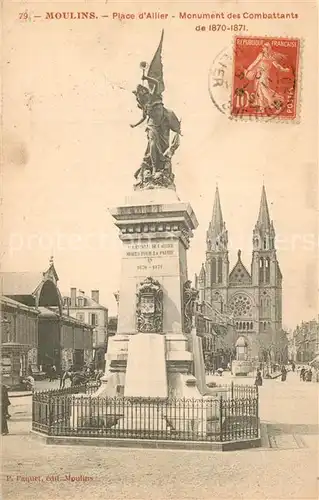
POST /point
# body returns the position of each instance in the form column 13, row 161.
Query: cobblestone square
column 285, row 467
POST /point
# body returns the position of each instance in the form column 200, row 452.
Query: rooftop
column 20, row 283
column 18, row 305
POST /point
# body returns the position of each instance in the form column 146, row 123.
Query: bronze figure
column 156, row 168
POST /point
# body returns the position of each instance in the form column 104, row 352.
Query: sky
column 69, row 153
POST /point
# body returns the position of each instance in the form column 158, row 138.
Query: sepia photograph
column 159, row 250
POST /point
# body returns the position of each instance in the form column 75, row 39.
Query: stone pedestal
column 146, row 367
column 155, row 229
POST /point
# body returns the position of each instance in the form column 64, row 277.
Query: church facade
column 252, row 298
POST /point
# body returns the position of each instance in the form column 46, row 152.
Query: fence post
column 50, row 420
column 232, row 389
column 33, row 409
column 221, row 418
column 257, row 411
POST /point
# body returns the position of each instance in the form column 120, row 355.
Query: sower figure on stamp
column 259, row 72
column 156, row 167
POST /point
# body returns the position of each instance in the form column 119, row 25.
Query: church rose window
column 241, row 305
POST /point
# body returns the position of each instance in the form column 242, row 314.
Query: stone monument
column 242, row 365
column 151, row 355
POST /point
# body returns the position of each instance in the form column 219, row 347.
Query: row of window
column 249, row 326
column 271, row 243
column 244, row 325
column 93, row 318
column 80, row 301
column 217, row 270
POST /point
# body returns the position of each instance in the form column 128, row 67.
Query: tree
column 273, row 347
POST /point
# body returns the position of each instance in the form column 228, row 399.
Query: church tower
column 201, row 283
column 265, row 272
column 217, row 263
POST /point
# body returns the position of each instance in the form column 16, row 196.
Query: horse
column 78, row 379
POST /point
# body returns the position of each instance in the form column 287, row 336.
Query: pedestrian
column 62, row 372
column 302, row 373
column 50, row 374
column 259, row 380
column 293, row 366
column 5, row 403
column 308, row 375
column 68, row 375
column 283, row 373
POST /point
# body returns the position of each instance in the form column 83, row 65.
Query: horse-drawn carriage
column 78, row 377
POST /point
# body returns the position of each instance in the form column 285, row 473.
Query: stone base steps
column 148, row 443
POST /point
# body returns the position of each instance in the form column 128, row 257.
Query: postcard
column 159, row 254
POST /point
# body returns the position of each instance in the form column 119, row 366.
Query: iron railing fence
column 42, row 416
column 234, row 391
column 229, row 391
column 67, row 413
column 92, row 387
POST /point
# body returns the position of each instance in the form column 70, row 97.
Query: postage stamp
column 265, row 77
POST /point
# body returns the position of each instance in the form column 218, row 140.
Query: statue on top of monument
column 156, row 169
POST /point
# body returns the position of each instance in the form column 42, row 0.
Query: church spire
column 217, row 217
column 264, row 233
column 265, row 269
column 263, row 221
column 202, row 273
column 217, row 237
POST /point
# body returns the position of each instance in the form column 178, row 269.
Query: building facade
column 88, row 309
column 19, row 337
column 32, row 316
column 305, row 341
column 253, row 299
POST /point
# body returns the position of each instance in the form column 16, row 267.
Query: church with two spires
column 252, row 299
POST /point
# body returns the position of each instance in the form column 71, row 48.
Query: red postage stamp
column 265, row 77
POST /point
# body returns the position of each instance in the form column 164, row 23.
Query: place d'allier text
column 121, row 16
